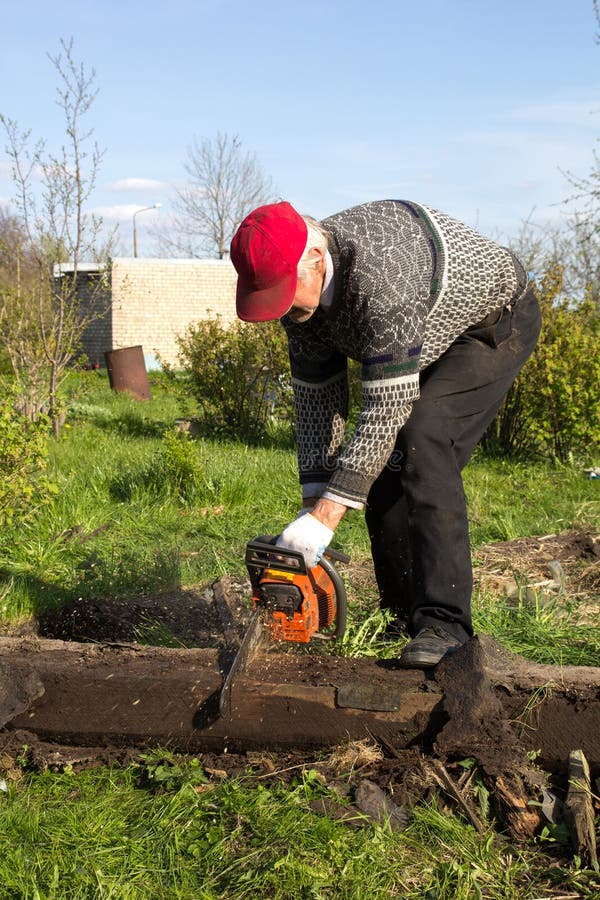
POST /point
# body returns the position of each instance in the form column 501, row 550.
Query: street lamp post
column 136, row 213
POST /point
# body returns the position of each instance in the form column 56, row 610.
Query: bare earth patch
column 566, row 565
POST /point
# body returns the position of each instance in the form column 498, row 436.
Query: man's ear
column 316, row 251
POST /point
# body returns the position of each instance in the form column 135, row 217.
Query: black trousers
column 416, row 511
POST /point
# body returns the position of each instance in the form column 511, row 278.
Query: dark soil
column 179, row 618
column 187, row 617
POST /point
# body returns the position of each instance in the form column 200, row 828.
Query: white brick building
column 152, row 301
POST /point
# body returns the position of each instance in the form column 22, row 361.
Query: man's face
column 308, row 292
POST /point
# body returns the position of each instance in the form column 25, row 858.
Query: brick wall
column 154, row 300
column 94, row 296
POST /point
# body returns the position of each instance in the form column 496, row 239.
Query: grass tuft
column 162, row 828
column 546, row 630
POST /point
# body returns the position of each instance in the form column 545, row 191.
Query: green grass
column 510, row 499
column 547, row 630
column 180, row 512
column 110, row 834
column 175, row 512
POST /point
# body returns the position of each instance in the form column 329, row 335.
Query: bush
column 239, row 377
column 553, row 408
column 174, row 470
column 24, row 484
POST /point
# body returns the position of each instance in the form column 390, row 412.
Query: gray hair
column 317, row 237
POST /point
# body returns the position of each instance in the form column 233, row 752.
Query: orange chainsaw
column 291, row 603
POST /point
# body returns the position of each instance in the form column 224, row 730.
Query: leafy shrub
column 24, row 483
column 553, row 408
column 175, row 470
column 238, row 376
column 180, row 465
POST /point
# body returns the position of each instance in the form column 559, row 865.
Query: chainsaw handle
column 341, row 597
column 336, row 555
column 330, row 552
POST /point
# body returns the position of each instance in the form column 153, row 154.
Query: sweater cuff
column 313, row 488
column 352, row 488
column 345, row 501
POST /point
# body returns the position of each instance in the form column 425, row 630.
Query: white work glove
column 306, row 535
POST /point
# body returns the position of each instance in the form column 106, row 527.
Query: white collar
column 328, row 283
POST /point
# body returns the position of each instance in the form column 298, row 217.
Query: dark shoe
column 428, row 648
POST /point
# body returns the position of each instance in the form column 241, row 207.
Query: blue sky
column 470, row 106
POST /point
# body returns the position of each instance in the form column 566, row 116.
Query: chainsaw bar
column 255, row 638
column 261, row 555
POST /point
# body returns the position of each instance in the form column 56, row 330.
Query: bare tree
column 19, row 304
column 582, row 256
column 225, row 184
column 42, row 317
column 572, row 245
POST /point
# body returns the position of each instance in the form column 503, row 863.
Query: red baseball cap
column 265, row 251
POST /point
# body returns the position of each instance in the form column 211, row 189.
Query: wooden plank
column 98, row 695
column 579, row 810
column 130, row 696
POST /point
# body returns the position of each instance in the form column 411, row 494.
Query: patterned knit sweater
column 407, row 281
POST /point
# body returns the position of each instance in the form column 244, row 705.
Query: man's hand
column 307, row 535
column 312, row 531
column 329, row 512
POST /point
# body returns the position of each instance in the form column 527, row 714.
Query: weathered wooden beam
column 579, row 810
column 129, row 695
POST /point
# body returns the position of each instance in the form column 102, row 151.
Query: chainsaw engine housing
column 299, row 602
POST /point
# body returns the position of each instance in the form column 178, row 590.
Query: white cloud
column 136, row 184
column 565, row 112
column 123, row 212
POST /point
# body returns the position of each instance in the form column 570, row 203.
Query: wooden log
column 134, row 696
column 579, row 810
column 18, row 690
